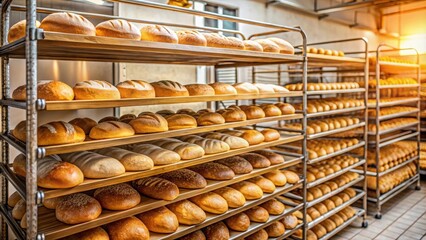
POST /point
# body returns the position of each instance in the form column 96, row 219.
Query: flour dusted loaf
column 233, row 141
column 210, row 146
column 246, row 88
column 185, row 150
column 135, row 89
column 158, row 33
column 131, row 161
column 117, row 197
column 157, row 188
column 118, row 28
column 67, row 22
column 95, row 89
column 159, row 156
column 47, row 90
column 51, row 172
column 78, row 208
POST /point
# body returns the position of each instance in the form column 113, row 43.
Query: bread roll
column 237, row 164
column 95, row 89
column 274, row 158
column 277, row 177
column 157, row 188
column 223, row 88
column 270, row 135
column 233, row 197
column 211, row 202
column 51, row 172
column 157, row 33
column 286, row 108
column 234, row 115
column 246, row 88
column 181, row 121
column 118, row 28
column 111, row 129
column 200, row 90
column 131, row 161
column 94, row 165
column 197, row 235
column 257, row 214
column 84, row 123
column 265, row 184
column 67, row 22
column 248, row 189
column 273, row 206
column 271, row 110
column 160, row 220
column 276, row 229
column 13, row 199
column 250, row 45
column 214, row 171
column 52, row 203
column 47, row 90
column 259, row 235
column 187, row 212
column 285, row 47
column 209, row 118
column 268, row 46
column 239, row 222
column 19, row 209
column 292, row 177
column 159, row 156
column 18, row 30
column 127, row 228
column 185, row 178
column 233, row 141
column 253, row 112
column 256, row 160
column 135, row 89
column 191, row 37
column 217, row 231
column 289, row 221
column 149, row 123
column 78, row 208
column 97, row 233
column 167, row 88
column 117, row 197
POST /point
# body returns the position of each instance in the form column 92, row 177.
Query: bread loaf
column 239, row 222
column 168, row 88
column 233, row 141
column 214, row 171
column 217, row 231
column 18, row 30
column 248, row 189
column 216, row 40
column 67, row 22
column 268, row 45
column 274, row 158
column 157, row 188
column 135, row 89
column 259, row 235
column 256, row 160
column 118, row 28
column 111, row 129
column 210, row 146
column 265, row 184
column 160, row 220
column 237, row 164
column 181, row 121
column 285, row 47
column 233, row 197
column 127, row 228
column 94, row 165
column 250, row 45
column 13, row 199
column 84, row 123
column 117, row 197
column 276, row 229
column 246, row 88
column 78, row 208
column 185, row 178
column 149, row 123
column 277, row 177
column 95, row 89
column 270, row 135
column 264, row 88
column 47, row 90
column 109, row 119
column 289, row 221
column 187, row 212
column 97, row 233
column 223, row 88
column 51, row 172
column 19, row 209
column 253, row 137
column 211, row 202
column 131, row 161
column 197, row 235
column 191, row 37
column 157, row 33
column 271, row 110
column 273, row 206
column 209, row 118
column 286, row 108
column 292, row 177
column 184, row 149
column 234, row 115
column 200, row 90
column 52, row 203
column 257, row 214
column 159, row 156
column 253, row 112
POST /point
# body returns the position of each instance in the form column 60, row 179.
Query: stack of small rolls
column 372, row 83
column 391, row 110
column 329, row 104
column 324, row 125
column 392, row 179
column 323, row 86
column 331, row 223
column 325, row 51
column 321, row 147
column 393, row 123
column 71, row 23
column 324, row 168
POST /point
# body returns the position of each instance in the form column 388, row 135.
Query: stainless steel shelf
column 336, row 174
column 328, row 92
column 395, row 115
column 371, row 173
column 11, row 222
column 401, row 127
column 396, row 190
column 393, row 103
column 359, row 213
column 334, row 112
column 395, row 86
column 334, row 131
column 398, row 138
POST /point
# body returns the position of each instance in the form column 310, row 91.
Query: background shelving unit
column 42, row 224
column 382, row 138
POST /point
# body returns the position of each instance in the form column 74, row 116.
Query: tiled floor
column 403, row 217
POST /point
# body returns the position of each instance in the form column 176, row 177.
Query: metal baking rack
column 39, row 44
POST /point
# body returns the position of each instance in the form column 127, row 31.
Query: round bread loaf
column 253, row 112
column 78, row 208
column 52, row 133
column 292, row 177
column 18, row 30
column 95, row 89
column 209, row 118
column 187, row 212
column 233, row 197
column 117, row 197
column 259, row 235
column 126, row 118
column 217, row 231
column 157, row 33
column 246, row 88
column 257, row 214
column 256, row 160
column 108, row 119
column 111, row 129
column 191, row 37
column 286, row 108
column 149, row 123
column 250, row 45
column 157, row 188
column 273, row 206
column 285, row 47
column 97, row 233
column 167, row 88
column 160, row 220
column 248, row 189
column 197, row 235
column 234, row 115
column 127, row 228
column 200, row 90
column 84, row 123
column 265, row 184
column 214, row 171
column 270, row 135
column 329, row 225
column 239, row 222
column 276, row 229
column 181, row 121
column 13, row 199
column 289, row 221
column 237, row 164
column 268, row 45
column 118, row 28
column 223, row 88
column 52, row 203
column 185, row 178
column 277, row 177
column 67, row 22
column 274, row 158
column 164, row 113
column 135, row 89
column 19, row 209
column 271, row 110
column 253, row 137
column 211, row 202
column 47, row 90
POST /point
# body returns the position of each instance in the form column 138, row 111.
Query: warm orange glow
column 417, row 41
column 55, row 70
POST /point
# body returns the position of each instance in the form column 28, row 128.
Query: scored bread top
column 118, row 28
column 68, row 23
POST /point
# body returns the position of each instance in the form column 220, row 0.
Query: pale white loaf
column 131, row 161
column 159, row 155
column 95, row 165
column 233, row 141
column 185, row 150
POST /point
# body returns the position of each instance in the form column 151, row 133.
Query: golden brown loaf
column 274, row 158
column 159, row 156
column 184, row 149
column 285, row 47
column 51, row 172
column 149, row 123
column 270, row 135
column 273, row 206
column 118, row 28
column 185, row 178
column 246, row 88
column 52, row 203
column 257, row 214
column 256, row 160
column 200, row 90
column 97, row 233
column 157, row 188
column 167, row 88
column 108, row 119
column 268, row 45
column 197, row 235
column 111, row 129
column 276, row 229
column 94, row 165
column 217, row 231
column 135, row 89
column 47, row 90
column 13, row 199
column 131, row 161
column 210, row 146
column 234, row 115
column 223, row 88
column 127, row 228
column 19, row 209
column 216, row 40
column 239, row 222
column 271, row 110
column 250, row 45
column 187, row 212
column 78, row 208
column 18, row 30
column 277, row 177
column 253, row 137
column 211, row 202
column 157, row 33
column 265, row 184
column 160, row 220
column 95, row 89
column 291, row 176
column 248, row 189
column 67, row 22
column 289, row 221
column 259, row 235
column 84, row 123
column 181, row 121
column 210, row 118
column 214, row 171
column 117, row 197
column 237, row 164
column 235, row 43
column 233, row 141
column 191, row 37
column 253, row 112
column 233, row 197
column 286, row 108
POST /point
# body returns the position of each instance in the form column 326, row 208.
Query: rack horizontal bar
column 393, row 103
column 334, row 175
column 327, row 92
column 334, row 112
column 396, row 190
column 395, row 115
column 401, row 127
column 334, row 131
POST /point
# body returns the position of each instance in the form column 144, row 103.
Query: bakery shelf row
column 395, row 191
column 359, row 213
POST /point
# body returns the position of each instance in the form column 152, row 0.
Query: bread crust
column 118, row 28
column 67, row 22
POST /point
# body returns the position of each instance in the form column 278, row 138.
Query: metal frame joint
column 41, row 152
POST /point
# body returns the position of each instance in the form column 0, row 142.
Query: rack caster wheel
column 378, row 216
column 418, row 188
column 364, row 224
